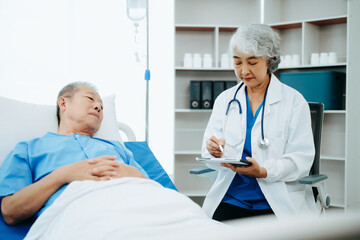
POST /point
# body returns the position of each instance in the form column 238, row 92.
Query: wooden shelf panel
column 329, row 21
column 318, row 21
column 227, row 29
column 287, row 25
column 194, row 28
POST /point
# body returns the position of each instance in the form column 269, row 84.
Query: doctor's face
column 250, row 69
column 83, row 111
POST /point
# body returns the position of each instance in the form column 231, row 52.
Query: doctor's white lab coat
column 289, row 156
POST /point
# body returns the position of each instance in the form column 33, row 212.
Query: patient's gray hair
column 258, row 40
column 69, row 91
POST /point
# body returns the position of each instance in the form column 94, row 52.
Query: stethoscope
column 263, row 141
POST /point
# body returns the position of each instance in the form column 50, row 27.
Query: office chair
column 314, row 179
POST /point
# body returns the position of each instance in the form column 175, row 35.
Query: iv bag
column 136, row 9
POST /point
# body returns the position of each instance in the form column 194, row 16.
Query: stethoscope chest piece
column 263, row 143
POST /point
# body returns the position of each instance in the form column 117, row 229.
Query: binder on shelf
column 195, row 94
column 206, row 94
column 230, row 84
column 218, row 87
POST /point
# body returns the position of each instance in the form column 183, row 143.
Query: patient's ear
column 61, row 103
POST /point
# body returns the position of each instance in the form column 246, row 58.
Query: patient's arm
column 26, row 202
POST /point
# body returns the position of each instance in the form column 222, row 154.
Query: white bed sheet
column 134, row 208
column 126, row 208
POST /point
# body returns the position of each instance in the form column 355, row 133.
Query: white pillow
column 20, row 121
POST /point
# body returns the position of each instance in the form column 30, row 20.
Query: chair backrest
column 317, row 118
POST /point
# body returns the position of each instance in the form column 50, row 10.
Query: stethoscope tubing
column 240, row 111
column 235, row 100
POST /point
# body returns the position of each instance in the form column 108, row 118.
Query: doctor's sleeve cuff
column 273, row 170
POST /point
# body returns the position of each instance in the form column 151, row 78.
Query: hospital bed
column 22, row 121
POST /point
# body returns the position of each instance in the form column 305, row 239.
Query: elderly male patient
column 36, row 172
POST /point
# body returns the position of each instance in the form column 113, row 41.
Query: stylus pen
column 221, row 148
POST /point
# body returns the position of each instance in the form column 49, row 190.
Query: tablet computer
column 233, row 161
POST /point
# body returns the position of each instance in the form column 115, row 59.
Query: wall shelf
column 319, row 21
column 342, row 64
column 203, row 69
column 315, row 66
column 334, row 111
column 194, row 28
column 329, row 21
column 184, row 110
column 332, row 158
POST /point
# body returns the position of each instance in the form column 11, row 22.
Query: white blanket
column 126, row 208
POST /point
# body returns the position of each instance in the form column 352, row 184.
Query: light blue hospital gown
column 32, row 160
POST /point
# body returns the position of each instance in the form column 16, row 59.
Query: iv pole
column 147, row 74
column 137, row 16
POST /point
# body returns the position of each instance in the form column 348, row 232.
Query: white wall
column 46, row 44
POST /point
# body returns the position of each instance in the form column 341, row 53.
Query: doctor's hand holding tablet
column 248, row 166
column 264, row 123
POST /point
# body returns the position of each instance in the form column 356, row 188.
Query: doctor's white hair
column 258, row 40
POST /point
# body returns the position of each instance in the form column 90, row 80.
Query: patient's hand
column 107, row 170
column 255, row 170
column 100, row 168
column 127, row 171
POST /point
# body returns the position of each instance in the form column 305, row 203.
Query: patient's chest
column 50, row 153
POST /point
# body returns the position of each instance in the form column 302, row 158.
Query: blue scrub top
column 32, row 160
column 244, row 191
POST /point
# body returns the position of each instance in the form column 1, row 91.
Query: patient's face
column 85, row 110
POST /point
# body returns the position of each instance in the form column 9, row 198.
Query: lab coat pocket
column 298, row 199
column 276, row 148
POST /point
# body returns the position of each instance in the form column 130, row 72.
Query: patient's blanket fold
column 125, row 208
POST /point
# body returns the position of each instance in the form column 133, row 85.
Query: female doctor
column 268, row 124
